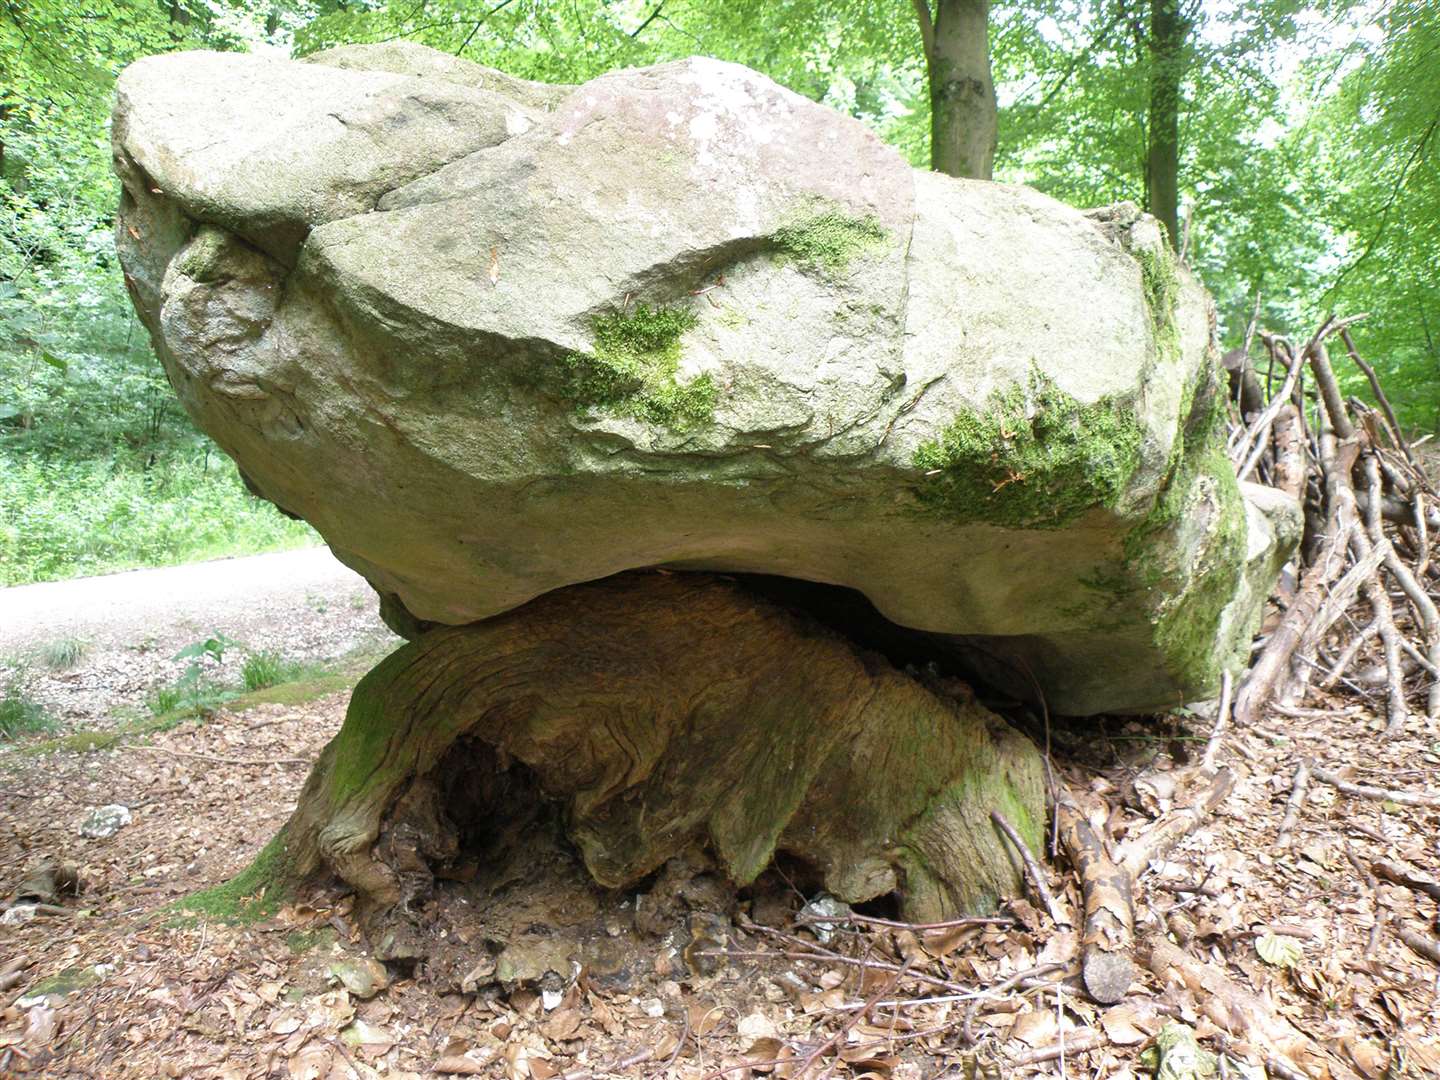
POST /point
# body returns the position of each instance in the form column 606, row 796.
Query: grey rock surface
column 492, row 338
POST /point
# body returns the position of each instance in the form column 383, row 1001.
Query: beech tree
column 963, row 122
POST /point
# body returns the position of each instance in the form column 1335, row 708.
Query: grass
column 265, row 669
column 302, row 684
column 64, row 653
column 76, row 518
column 19, row 715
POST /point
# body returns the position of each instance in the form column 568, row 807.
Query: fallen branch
column 1427, row 947
column 1156, row 842
column 1108, row 935
column 1400, row 874
column 1238, row 1011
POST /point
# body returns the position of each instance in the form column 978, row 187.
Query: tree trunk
column 658, row 710
column 962, row 93
column 1168, row 31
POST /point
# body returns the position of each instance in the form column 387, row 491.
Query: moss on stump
column 658, row 711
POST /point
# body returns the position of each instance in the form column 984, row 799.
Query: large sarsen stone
column 493, row 338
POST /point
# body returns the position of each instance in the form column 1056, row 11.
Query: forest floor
column 117, row 982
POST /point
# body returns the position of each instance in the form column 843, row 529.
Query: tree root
column 659, row 710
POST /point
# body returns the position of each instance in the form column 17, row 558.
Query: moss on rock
column 633, row 369
column 1187, row 624
column 1035, row 457
column 828, row 240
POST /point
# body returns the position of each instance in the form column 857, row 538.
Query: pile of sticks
column 1365, row 568
column 1356, row 619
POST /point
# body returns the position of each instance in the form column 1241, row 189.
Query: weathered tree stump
column 660, row 710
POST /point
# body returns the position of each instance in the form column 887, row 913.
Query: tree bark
column 659, row 710
column 963, row 122
column 1168, row 33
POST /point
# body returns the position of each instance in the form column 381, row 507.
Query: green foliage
column 827, row 241
column 72, row 516
column 19, row 714
column 633, row 369
column 1032, row 458
column 99, row 468
column 196, row 691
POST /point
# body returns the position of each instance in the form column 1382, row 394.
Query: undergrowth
column 76, row 518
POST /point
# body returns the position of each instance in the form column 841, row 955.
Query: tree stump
column 658, row 710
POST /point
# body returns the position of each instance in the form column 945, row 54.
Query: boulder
column 493, row 338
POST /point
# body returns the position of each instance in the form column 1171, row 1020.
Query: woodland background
column 1301, row 144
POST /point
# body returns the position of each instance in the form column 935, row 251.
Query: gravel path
column 127, row 627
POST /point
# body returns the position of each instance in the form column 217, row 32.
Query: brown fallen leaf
column 463, row 1065
column 1036, row 1028
column 561, row 1024
column 311, row 1062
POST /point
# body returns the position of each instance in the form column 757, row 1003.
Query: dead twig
column 1222, row 720
column 1082, row 1042
column 1033, row 870
column 224, row 760
column 1378, row 794
column 967, row 1026
column 1299, row 786
column 1377, row 920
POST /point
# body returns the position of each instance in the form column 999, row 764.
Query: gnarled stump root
column 660, row 709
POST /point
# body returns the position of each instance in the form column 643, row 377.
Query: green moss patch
column 1035, row 457
column 1160, row 280
column 829, row 240
column 64, row 984
column 633, row 369
column 254, row 893
column 1187, row 626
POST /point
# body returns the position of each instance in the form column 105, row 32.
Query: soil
column 116, row 982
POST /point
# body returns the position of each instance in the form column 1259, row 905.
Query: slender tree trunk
column 1168, row 31
column 962, row 93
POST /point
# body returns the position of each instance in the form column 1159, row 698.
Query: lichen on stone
column 828, row 239
column 633, row 369
column 1034, row 457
